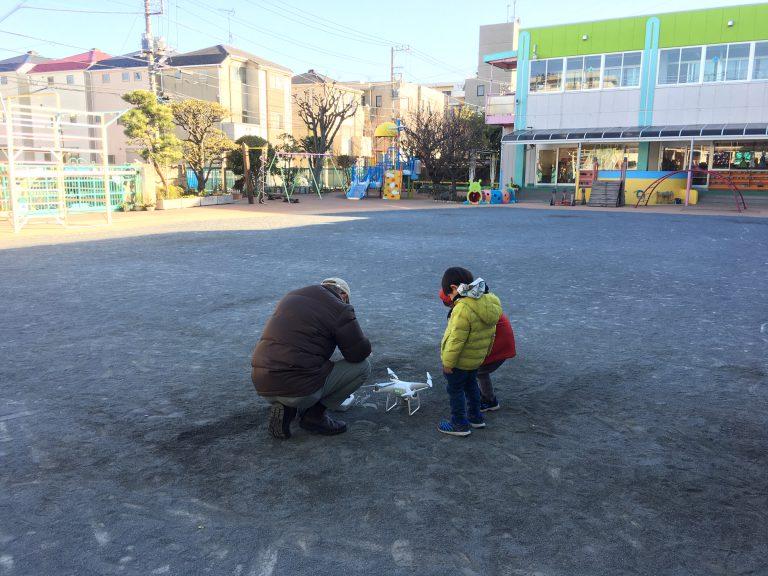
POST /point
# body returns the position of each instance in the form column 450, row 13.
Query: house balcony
column 500, row 110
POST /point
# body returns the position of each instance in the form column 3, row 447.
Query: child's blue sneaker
column 448, row 427
column 477, row 422
column 489, row 405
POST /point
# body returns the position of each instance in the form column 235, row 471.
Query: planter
column 150, row 208
column 175, row 203
column 168, row 204
column 237, row 196
column 225, row 199
column 208, row 200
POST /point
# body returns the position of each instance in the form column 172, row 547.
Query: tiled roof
column 74, row 62
column 13, row 64
column 134, row 60
column 216, row 55
column 311, row 77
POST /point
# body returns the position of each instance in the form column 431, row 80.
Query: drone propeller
column 392, row 374
column 429, row 380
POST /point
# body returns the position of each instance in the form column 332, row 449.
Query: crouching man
column 291, row 363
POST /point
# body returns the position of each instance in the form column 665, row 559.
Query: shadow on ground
column 632, row 439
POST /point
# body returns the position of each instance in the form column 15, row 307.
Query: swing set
column 290, row 181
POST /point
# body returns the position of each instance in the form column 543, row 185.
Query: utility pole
column 392, row 68
column 149, row 45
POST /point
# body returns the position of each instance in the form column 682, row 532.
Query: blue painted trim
column 521, row 108
column 649, row 71
column 500, row 56
column 643, row 155
column 641, row 174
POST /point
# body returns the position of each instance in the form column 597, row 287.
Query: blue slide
column 357, row 190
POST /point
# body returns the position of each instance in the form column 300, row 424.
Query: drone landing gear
column 395, row 401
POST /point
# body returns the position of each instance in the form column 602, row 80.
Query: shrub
column 172, row 193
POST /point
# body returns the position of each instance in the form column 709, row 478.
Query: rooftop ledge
column 506, row 60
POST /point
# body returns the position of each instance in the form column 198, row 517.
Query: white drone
column 399, row 392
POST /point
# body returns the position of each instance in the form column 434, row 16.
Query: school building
column 666, row 92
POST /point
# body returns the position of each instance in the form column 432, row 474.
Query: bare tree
column 323, row 109
column 462, row 136
column 423, row 138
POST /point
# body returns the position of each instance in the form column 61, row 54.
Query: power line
column 46, row 9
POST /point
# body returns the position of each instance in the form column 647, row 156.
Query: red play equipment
column 741, row 204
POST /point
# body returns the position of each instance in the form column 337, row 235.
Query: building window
column 760, row 70
column 241, row 74
column 574, row 73
column 50, row 80
column 137, row 75
column 612, row 71
column 726, row 62
column 276, row 121
column 275, row 82
column 480, row 90
column 740, row 156
column 70, row 79
column 105, row 78
column 73, row 118
column 583, row 73
column 547, row 75
column 110, row 158
column 630, row 71
column 554, row 75
column 126, row 76
column 738, row 62
column 362, row 100
column 680, row 66
column 378, row 101
column 538, row 76
column 3, row 80
column 690, row 66
column 609, row 156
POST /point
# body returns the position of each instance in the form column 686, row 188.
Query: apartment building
column 256, row 92
column 492, row 80
column 351, row 138
column 13, row 73
column 666, row 91
column 453, row 91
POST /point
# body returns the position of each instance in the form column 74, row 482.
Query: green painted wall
column 677, row 29
column 711, row 26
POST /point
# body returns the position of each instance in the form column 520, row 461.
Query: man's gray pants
column 344, row 379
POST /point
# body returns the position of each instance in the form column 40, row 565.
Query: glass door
column 546, row 166
column 567, row 164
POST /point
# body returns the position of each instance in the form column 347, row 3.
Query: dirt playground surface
column 632, row 438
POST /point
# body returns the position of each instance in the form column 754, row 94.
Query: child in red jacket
column 503, row 349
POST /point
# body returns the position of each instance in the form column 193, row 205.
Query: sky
column 342, row 39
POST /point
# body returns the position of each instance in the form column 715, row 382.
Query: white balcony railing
column 500, row 109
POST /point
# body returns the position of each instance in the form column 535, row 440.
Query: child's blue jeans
column 464, row 396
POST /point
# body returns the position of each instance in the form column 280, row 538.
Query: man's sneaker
column 280, row 418
column 448, row 427
column 477, row 422
column 317, row 421
column 489, row 406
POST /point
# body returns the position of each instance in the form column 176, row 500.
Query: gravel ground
column 632, row 438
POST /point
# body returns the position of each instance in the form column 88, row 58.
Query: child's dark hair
column 455, row 276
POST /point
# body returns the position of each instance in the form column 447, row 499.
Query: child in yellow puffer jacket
column 467, row 340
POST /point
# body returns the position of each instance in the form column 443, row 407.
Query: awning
column 640, row 133
column 506, row 60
